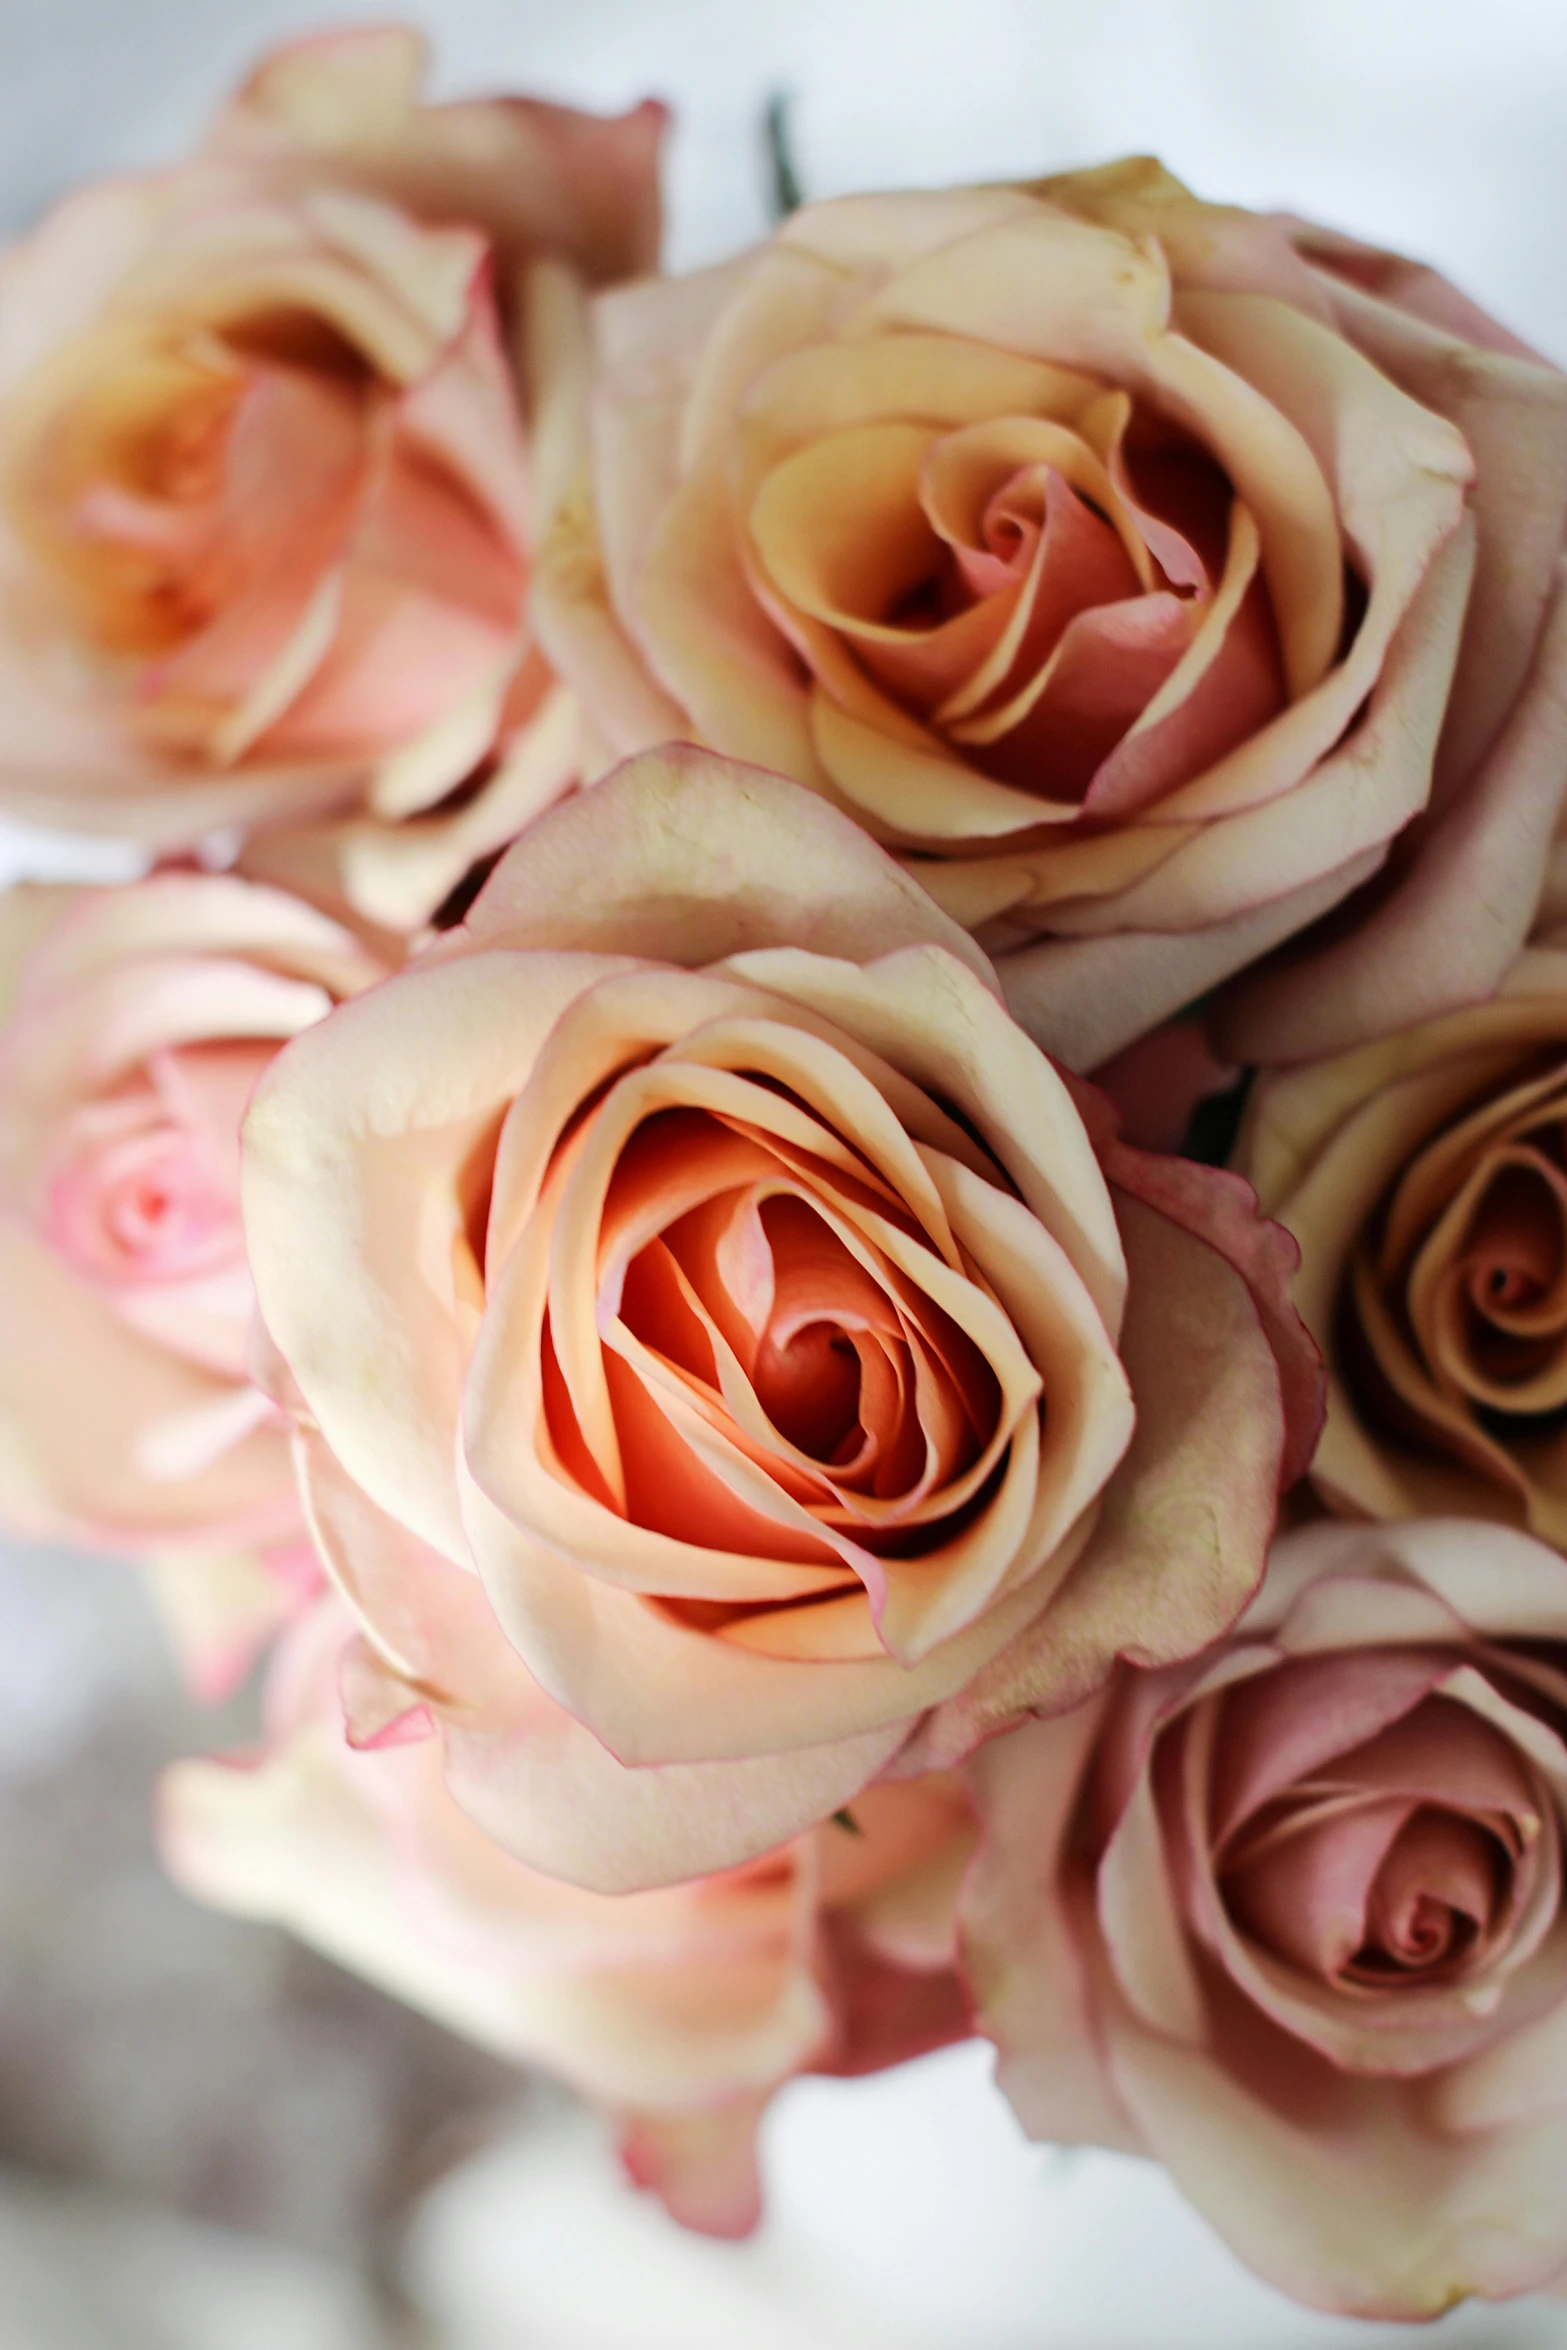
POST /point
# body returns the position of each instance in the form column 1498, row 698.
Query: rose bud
column 264, row 497
column 696, row 1290
column 1290, row 1918
column 680, row 2010
column 1136, row 568
column 134, row 1021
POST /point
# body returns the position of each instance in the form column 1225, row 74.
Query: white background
column 908, row 2214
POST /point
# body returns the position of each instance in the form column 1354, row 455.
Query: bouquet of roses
column 638, row 1195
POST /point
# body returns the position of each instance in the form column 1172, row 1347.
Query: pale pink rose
column 1290, row 1918
column 701, row 1297
column 1423, row 1178
column 134, row 1022
column 264, row 498
column 679, row 2010
column 1138, row 569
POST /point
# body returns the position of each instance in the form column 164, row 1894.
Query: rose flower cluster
column 631, row 1217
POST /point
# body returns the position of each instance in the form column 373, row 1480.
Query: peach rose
column 1108, row 555
column 696, row 1287
column 1291, row 1919
column 680, row 2010
column 1423, row 1178
column 264, row 505
column 134, row 1021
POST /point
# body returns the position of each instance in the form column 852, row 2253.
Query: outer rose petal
column 221, row 1610
column 1020, row 1942
column 539, row 176
column 107, row 1438
column 1474, row 881
column 686, row 858
column 532, row 1777
column 1199, row 1484
column 539, row 1972
column 680, row 2009
column 702, row 2166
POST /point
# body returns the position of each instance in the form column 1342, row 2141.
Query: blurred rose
column 680, row 2010
column 1425, row 1179
column 264, row 506
column 1107, row 554
column 1290, row 1918
column 135, row 1022
column 693, row 1246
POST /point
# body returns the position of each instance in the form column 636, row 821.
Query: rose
column 681, row 2010
column 1290, row 1919
column 696, row 1286
column 135, row 1021
column 1422, row 1178
column 263, row 492
column 1106, row 554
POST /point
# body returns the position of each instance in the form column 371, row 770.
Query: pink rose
column 1290, row 1918
column 702, row 1300
column 135, row 1022
column 1139, row 570
column 680, row 2010
column 264, row 502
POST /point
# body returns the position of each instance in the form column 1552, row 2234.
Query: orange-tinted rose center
column 1073, row 608
column 755, row 1309
column 1453, row 1319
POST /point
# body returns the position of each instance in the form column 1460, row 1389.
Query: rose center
column 809, row 1388
column 1436, row 1897
column 144, row 1207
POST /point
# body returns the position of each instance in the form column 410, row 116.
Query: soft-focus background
column 210, row 2140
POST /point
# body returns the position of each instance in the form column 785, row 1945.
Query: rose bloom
column 1137, row 568
column 134, row 1021
column 264, row 501
column 696, row 1290
column 680, row 2010
column 1290, row 1918
column 1425, row 1179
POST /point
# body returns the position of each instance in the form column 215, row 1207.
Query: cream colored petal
column 1512, row 412
column 684, row 858
column 1022, row 1921
column 537, row 1782
column 84, row 1404
column 1475, row 881
column 354, row 1157
column 191, row 914
column 335, row 89
column 583, row 637
column 828, row 387
column 657, row 1691
column 708, row 641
